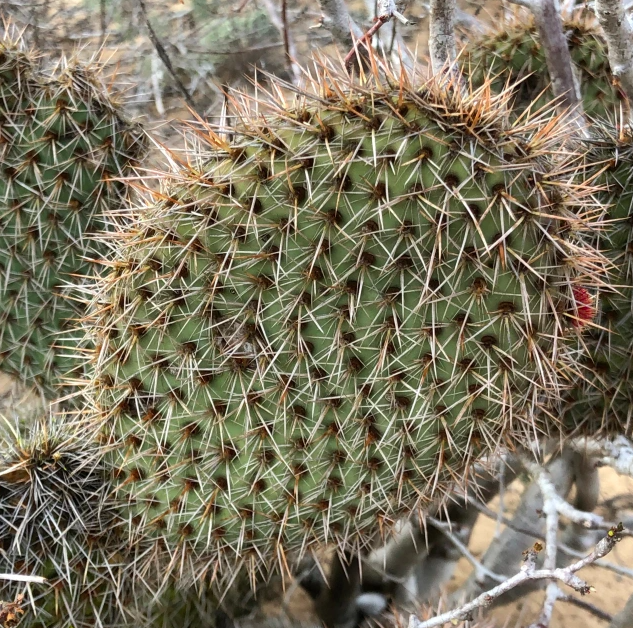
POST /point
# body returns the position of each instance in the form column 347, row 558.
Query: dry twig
column 164, row 57
column 618, row 32
column 528, row 572
column 442, row 44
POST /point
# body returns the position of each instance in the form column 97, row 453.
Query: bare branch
column 528, row 572
column 286, row 35
column 587, row 606
column 343, row 28
column 442, row 44
column 616, row 453
column 570, row 551
column 558, row 58
column 501, row 556
column 481, row 570
column 604, row 564
column 164, row 57
column 553, row 500
column 618, row 32
column 280, row 22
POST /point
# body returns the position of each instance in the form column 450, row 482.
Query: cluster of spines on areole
column 65, row 147
column 316, row 325
column 513, row 56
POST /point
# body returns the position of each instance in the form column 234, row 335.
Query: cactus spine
column 63, row 145
column 316, row 325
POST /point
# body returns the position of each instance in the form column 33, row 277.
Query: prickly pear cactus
column 63, row 144
column 514, row 55
column 603, row 398
column 315, row 325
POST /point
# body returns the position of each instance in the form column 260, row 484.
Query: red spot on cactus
column 585, row 311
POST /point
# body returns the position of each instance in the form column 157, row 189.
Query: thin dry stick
column 442, row 44
column 587, row 606
column 618, row 32
column 102, row 21
column 286, row 36
column 588, row 520
column 549, row 23
column 550, row 508
column 481, row 570
column 379, row 21
column 491, row 514
column 528, row 572
column 164, row 57
column 277, row 19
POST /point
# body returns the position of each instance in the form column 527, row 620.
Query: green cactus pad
column 316, row 325
column 63, row 145
column 513, row 54
column 603, row 399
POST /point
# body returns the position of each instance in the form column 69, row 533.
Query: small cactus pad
column 315, row 325
column 513, row 55
column 602, row 402
column 63, row 143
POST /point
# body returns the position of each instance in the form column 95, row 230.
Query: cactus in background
column 63, row 144
column 602, row 401
column 316, row 325
column 513, row 53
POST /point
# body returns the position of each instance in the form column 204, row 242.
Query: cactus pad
column 63, row 144
column 56, row 522
column 603, row 400
column 315, row 325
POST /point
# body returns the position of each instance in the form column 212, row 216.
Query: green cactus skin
column 514, row 53
column 63, row 144
column 314, row 327
column 602, row 402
